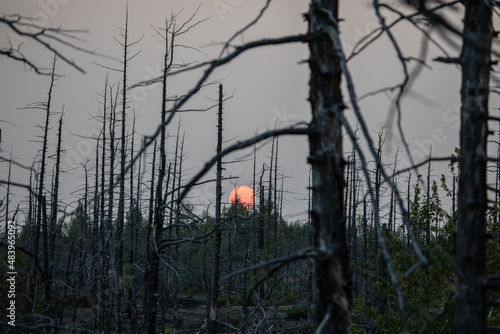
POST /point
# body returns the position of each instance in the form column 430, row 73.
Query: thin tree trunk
column 7, row 199
column 408, row 209
column 428, row 203
column 121, row 201
column 214, row 290
column 275, row 202
column 392, row 206
column 154, row 262
column 94, row 290
column 104, row 234
column 107, row 297
column 149, row 232
column 133, row 222
column 40, row 223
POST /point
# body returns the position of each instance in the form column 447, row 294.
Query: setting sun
column 245, row 196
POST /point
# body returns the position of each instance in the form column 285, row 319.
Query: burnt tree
column 475, row 59
column 325, row 142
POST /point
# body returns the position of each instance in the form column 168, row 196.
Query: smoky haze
column 268, row 88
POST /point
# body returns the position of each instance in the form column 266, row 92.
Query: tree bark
column 475, row 59
column 325, row 142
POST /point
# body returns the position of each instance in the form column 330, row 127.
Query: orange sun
column 245, row 196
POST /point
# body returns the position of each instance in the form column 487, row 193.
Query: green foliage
column 428, row 291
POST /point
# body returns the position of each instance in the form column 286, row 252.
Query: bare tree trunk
column 393, row 204
column 95, row 267
column 497, row 178
column 353, row 228
column 428, row 203
column 270, row 203
column 377, row 186
column 472, row 200
column 149, row 232
column 260, row 238
column 40, row 222
column 7, row 199
column 365, row 246
column 103, row 230
column 275, row 201
column 55, row 199
column 408, row 209
column 158, row 219
column 107, row 297
column 325, row 142
column 133, row 230
column 214, row 290
column 121, row 201
column 310, row 242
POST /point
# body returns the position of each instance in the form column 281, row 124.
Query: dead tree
column 475, row 59
column 106, row 295
column 41, row 223
column 428, row 203
column 121, row 201
column 158, row 215
column 133, row 230
column 103, row 225
column 95, row 256
column 214, row 290
column 149, row 233
column 393, row 204
column 7, row 199
column 54, row 206
column 325, row 143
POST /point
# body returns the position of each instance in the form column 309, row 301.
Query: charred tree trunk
column 408, row 209
column 55, row 199
column 106, row 296
column 103, row 225
column 40, row 222
column 214, row 290
column 121, row 200
column 94, row 277
column 393, row 203
column 7, row 199
column 277, row 217
column 133, row 230
column 149, row 232
column 325, row 142
column 158, row 220
column 428, row 203
column 475, row 59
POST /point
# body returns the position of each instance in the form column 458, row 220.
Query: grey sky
column 270, row 84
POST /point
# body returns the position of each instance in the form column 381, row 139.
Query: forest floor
column 191, row 317
column 280, row 319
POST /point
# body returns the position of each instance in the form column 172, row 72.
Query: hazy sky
column 268, row 86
